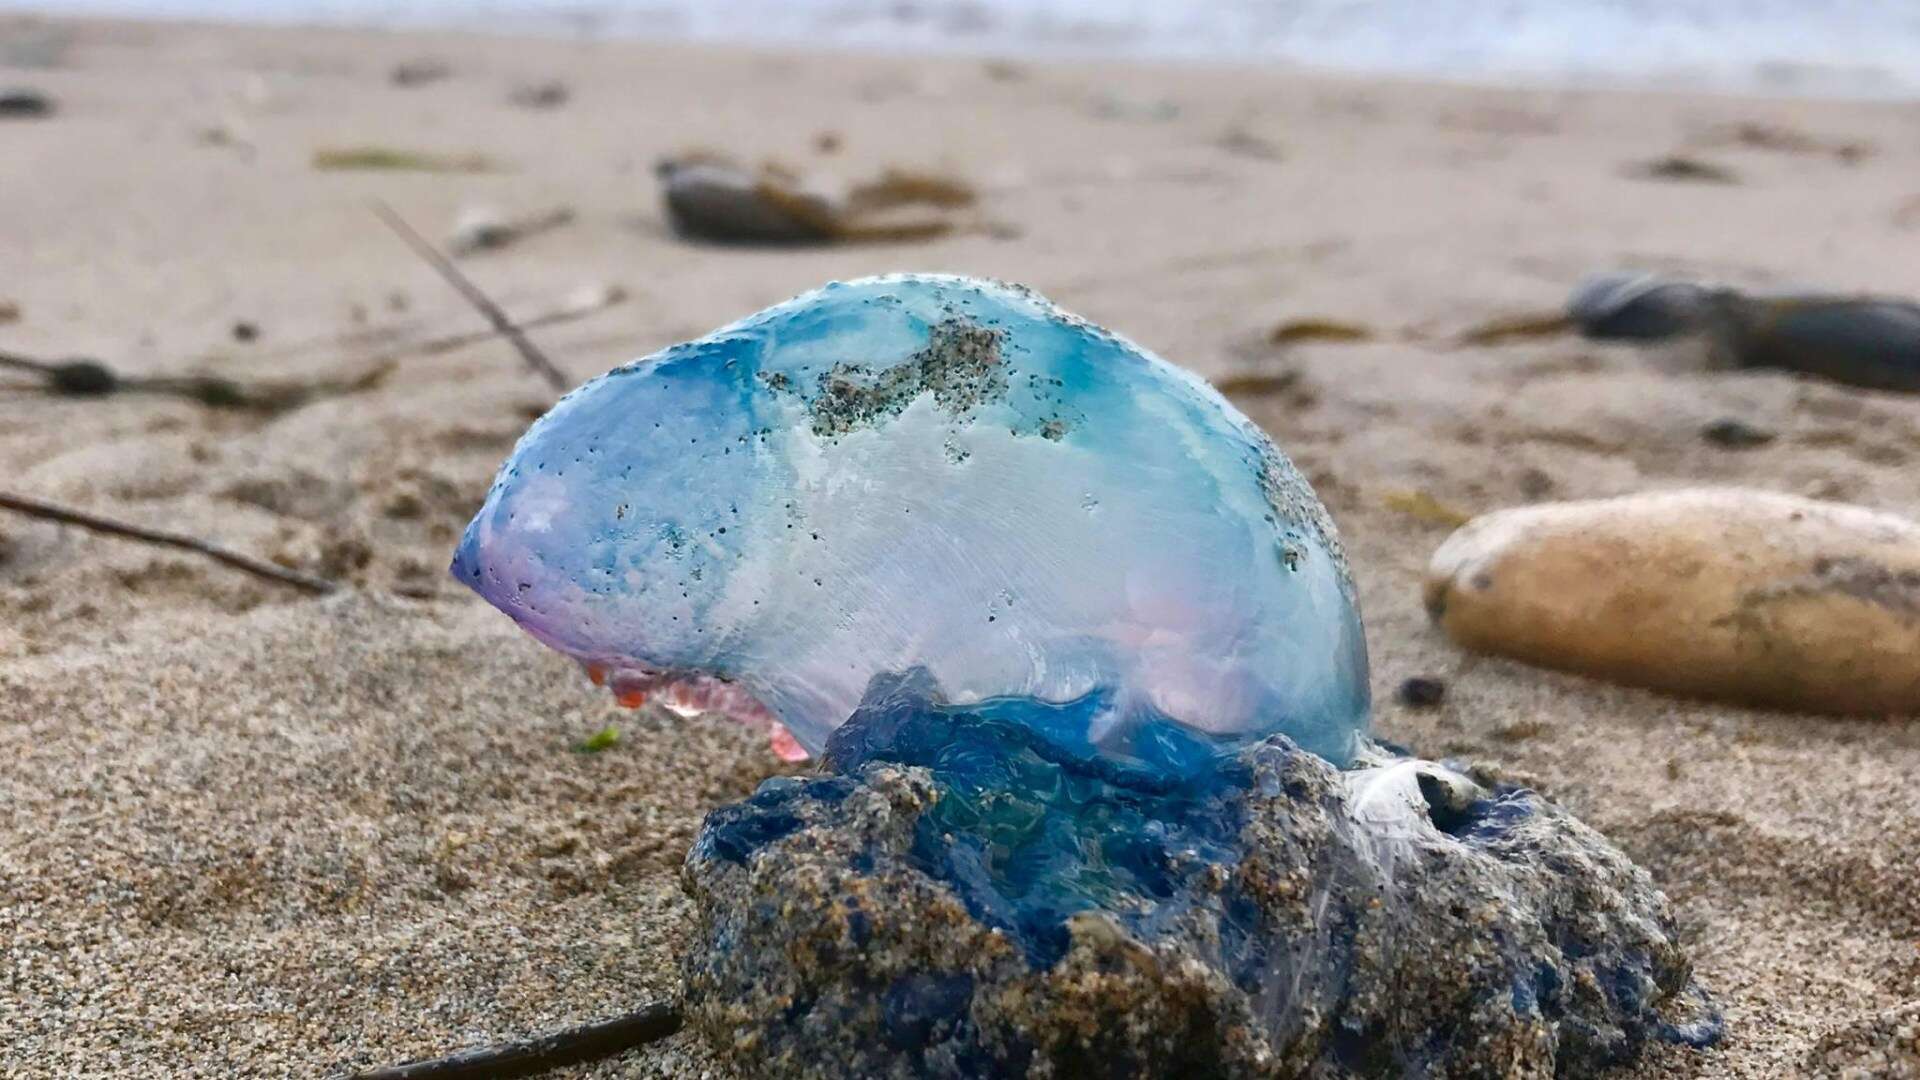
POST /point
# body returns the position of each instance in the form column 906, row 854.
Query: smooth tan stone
column 1729, row 594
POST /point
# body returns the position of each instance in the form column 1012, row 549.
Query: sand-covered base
column 247, row 832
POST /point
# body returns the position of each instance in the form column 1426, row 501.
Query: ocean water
column 1848, row 48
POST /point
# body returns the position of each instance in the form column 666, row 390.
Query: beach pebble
column 1421, row 692
column 81, row 377
column 1683, row 168
column 419, row 72
column 1733, row 433
column 1866, row 341
column 25, row 104
column 1729, row 594
column 482, row 228
column 722, row 202
column 547, row 94
column 1862, row 341
column 1621, row 305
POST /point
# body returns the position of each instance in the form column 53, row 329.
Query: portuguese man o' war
column 937, row 475
column 1082, row 656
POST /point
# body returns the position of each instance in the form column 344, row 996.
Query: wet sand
column 244, row 831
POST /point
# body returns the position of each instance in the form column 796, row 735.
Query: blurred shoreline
column 1852, row 49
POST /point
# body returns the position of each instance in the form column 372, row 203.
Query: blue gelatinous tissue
column 933, row 474
column 1028, row 832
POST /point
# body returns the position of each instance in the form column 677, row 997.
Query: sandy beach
column 248, row 832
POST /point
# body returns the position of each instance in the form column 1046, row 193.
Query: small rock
column 1733, row 433
column 81, row 377
column 1005, row 71
column 1629, row 306
column 593, row 295
column 1683, row 168
column 245, row 332
column 484, row 229
column 1866, row 341
column 716, row 200
column 710, row 197
column 1863, row 341
column 403, row 505
column 1536, row 483
column 1244, row 143
column 479, row 229
column 548, row 94
column 419, row 72
column 1421, row 692
column 9, row 312
column 951, row 902
column 25, row 105
column 1728, row 594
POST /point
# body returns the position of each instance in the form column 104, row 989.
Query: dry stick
column 382, row 340
column 26, row 363
column 568, row 1046
column 535, row 359
column 51, row 512
column 435, row 346
column 91, row 378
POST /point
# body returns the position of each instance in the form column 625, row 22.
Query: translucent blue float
column 934, row 474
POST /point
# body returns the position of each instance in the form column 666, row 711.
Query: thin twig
column 91, row 378
column 51, row 512
column 568, row 1046
column 535, row 359
column 402, row 337
column 435, row 346
column 26, row 363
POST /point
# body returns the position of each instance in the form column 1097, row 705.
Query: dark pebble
column 84, row 378
column 1733, row 433
column 25, row 104
column 1421, row 692
column 1626, row 306
column 1686, row 169
column 244, row 331
column 1536, row 484
column 419, row 72
column 542, row 95
column 1861, row 341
